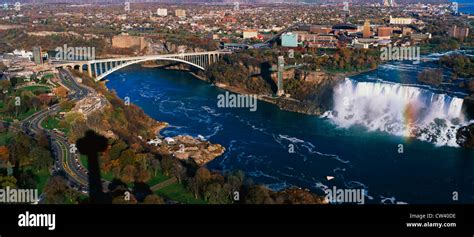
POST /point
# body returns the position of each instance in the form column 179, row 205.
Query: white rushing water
column 398, row 109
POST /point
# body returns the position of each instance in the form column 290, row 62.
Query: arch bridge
column 100, row 68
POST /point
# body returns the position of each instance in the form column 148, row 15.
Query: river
column 283, row 149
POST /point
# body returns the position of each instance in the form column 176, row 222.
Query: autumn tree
column 66, row 105
column 216, row 194
column 202, row 177
column 153, row 199
column 4, row 154
column 166, row 164
column 117, row 148
column 128, row 174
column 60, row 91
column 178, row 170
column 258, row 194
column 44, row 99
column 57, row 191
column 42, row 139
column 155, row 166
column 142, row 175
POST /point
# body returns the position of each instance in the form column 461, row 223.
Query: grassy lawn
column 160, row 177
column 5, row 138
column 48, row 76
column 50, row 123
column 42, row 179
column 11, row 117
column 177, row 192
column 37, row 89
column 25, row 115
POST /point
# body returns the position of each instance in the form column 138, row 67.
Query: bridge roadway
column 100, row 68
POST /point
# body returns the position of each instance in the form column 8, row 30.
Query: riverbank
column 289, row 103
column 186, row 157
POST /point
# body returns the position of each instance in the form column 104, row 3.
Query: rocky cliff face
column 468, row 107
column 465, row 136
column 194, row 150
column 312, row 91
column 307, row 92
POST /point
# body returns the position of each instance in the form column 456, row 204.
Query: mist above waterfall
column 398, row 109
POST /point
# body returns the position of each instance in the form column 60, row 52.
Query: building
column 401, row 21
column 162, row 12
column 366, row 33
column 349, row 28
column 37, row 55
column 128, row 41
column 384, row 32
column 359, row 45
column 420, row 37
column 180, row 13
column 302, row 35
column 289, row 39
column 250, row 34
column 318, row 29
column 233, row 46
column 364, row 43
column 458, row 32
column 22, row 54
column 322, row 41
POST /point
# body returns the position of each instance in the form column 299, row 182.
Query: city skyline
column 233, row 106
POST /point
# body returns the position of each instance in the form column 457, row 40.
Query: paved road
column 66, row 157
column 77, row 92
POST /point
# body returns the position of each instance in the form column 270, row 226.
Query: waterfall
column 398, row 109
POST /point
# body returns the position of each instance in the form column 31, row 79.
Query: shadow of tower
column 90, row 145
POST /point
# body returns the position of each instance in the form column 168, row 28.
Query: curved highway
column 65, row 160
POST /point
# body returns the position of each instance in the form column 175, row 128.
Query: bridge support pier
column 89, row 70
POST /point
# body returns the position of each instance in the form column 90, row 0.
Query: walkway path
column 163, row 184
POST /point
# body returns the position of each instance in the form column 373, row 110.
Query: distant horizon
column 230, row 1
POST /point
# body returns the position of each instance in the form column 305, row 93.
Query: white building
column 22, row 53
column 170, row 141
column 401, row 21
column 162, row 12
column 180, row 13
column 249, row 34
column 155, row 142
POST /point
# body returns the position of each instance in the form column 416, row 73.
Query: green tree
column 41, row 157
